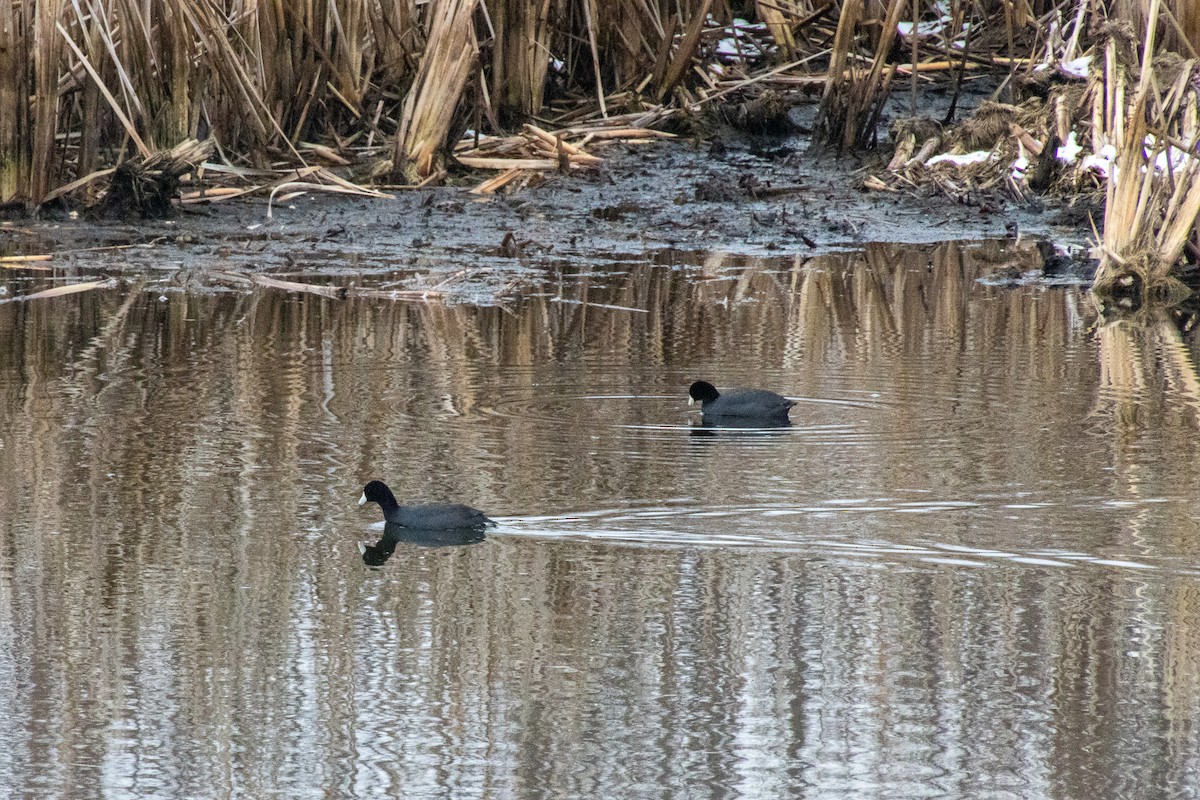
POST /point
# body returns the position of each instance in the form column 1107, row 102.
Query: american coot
column 740, row 403
column 375, row 555
column 423, row 517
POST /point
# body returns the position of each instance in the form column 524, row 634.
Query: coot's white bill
column 362, row 500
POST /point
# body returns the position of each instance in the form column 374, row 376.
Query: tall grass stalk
column 15, row 124
column 521, row 55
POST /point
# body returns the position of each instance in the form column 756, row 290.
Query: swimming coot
column 742, row 403
column 423, row 517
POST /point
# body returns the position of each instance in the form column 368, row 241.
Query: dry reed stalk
column 590, row 12
column 509, row 163
column 631, row 133
column 493, row 185
column 850, row 108
column 317, row 179
column 246, row 278
column 1183, row 18
column 26, row 262
column 47, row 54
column 433, row 98
column 15, row 122
column 681, row 62
column 535, row 149
column 832, row 119
column 60, row 291
column 114, row 104
column 521, row 54
column 779, row 16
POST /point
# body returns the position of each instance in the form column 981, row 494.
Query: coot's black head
column 703, row 392
column 376, row 492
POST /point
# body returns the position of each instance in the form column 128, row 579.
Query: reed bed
column 339, row 96
column 1153, row 193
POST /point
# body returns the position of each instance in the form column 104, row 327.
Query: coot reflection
column 713, row 423
column 374, row 555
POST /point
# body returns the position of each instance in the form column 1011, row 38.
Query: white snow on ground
column 961, row 159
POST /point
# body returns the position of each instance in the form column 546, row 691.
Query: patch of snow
column 745, row 41
column 1018, row 168
column 927, row 28
column 1077, row 67
column 728, row 47
column 1103, row 162
column 961, row 159
column 1070, row 151
column 1169, row 160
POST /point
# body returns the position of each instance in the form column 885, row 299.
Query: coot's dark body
column 430, row 517
column 740, row 403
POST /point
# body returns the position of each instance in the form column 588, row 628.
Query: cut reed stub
column 146, row 188
column 1128, row 282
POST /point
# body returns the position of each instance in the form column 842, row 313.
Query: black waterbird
column 740, row 403
column 432, row 517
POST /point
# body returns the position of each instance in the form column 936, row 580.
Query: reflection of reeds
column 235, row 423
column 1139, row 353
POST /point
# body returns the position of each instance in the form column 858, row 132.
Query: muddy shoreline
column 733, row 194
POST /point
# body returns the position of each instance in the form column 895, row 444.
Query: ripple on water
column 692, row 522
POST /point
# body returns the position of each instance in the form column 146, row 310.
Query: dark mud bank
column 752, row 198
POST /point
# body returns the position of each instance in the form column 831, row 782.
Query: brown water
column 971, row 568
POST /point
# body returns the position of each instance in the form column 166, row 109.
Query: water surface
column 969, row 568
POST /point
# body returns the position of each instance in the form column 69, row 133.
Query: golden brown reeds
column 432, row 100
column 1153, row 194
column 15, row 124
column 520, row 55
column 780, row 16
column 853, row 99
column 87, row 84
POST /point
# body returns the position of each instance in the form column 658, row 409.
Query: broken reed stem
column 854, row 99
column 433, row 99
column 521, row 55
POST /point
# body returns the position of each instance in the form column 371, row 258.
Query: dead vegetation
column 366, row 97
